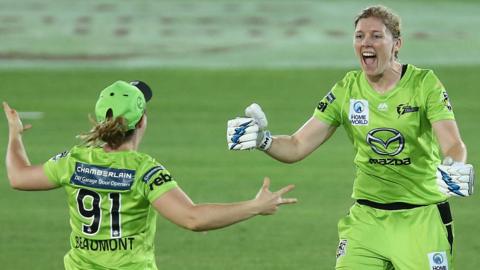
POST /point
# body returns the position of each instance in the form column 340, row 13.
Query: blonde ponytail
column 113, row 132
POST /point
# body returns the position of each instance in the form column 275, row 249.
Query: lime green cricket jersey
column 109, row 197
column 396, row 152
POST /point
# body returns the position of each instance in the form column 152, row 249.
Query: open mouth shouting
column 369, row 59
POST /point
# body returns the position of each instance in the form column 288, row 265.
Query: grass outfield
column 187, row 119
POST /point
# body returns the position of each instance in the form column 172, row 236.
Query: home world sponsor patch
column 438, row 260
column 88, row 175
column 358, row 114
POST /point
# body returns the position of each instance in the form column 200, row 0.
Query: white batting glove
column 455, row 178
column 245, row 133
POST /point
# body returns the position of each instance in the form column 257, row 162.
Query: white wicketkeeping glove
column 245, row 133
column 455, row 178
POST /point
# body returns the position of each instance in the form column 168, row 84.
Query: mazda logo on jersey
column 386, row 141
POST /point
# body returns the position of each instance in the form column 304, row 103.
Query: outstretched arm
column 245, row 133
column 293, row 148
column 21, row 174
column 177, row 207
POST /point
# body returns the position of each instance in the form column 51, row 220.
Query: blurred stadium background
column 207, row 60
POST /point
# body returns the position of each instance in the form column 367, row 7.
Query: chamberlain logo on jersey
column 405, row 108
column 358, row 114
column 438, row 260
column 88, row 175
column 387, row 142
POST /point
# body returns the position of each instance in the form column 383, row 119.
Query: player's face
column 374, row 46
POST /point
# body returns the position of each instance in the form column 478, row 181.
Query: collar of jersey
column 386, row 95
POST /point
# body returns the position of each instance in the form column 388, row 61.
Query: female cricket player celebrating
column 394, row 115
column 113, row 190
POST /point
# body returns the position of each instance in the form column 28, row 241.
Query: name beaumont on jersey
column 114, row 244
